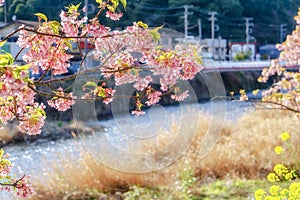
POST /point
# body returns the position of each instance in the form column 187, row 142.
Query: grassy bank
column 234, row 169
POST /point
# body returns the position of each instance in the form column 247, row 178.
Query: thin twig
column 13, row 184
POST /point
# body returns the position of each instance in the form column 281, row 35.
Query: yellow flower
column 279, row 150
column 288, row 176
column 284, row 194
column 295, row 189
column 259, row 194
column 274, row 190
column 272, row 177
column 285, row 136
column 280, row 169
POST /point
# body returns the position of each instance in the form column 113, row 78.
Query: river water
column 33, row 158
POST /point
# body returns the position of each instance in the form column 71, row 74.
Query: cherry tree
column 285, row 93
column 46, row 52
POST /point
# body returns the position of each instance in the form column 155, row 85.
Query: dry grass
column 9, row 133
column 243, row 150
column 246, row 149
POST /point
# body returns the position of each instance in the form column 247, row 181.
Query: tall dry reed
column 244, row 149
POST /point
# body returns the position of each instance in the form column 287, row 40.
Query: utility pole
column 5, row 12
column 283, row 28
column 248, row 30
column 213, row 19
column 186, row 23
column 200, row 29
column 86, row 3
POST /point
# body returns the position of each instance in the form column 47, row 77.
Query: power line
column 159, row 14
column 153, row 7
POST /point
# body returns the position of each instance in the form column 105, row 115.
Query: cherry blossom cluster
column 170, row 66
column 21, row 187
column 129, row 56
column 45, row 52
column 17, row 100
column 102, row 91
column 285, row 92
column 62, row 101
column 70, row 22
column 24, row 189
column 2, row 2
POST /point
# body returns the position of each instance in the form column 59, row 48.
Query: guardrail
column 238, row 66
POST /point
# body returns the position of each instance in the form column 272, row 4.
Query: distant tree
column 24, row 11
column 152, row 12
column 267, row 17
column 12, row 7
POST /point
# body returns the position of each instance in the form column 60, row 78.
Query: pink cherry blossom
column 24, row 189
column 113, row 16
column 33, row 120
column 45, row 52
column 70, row 23
column 153, row 98
column 63, row 102
column 180, row 97
column 142, row 83
column 109, row 93
column 2, row 2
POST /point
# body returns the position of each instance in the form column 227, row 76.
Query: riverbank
column 244, row 151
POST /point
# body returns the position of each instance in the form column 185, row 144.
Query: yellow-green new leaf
column 90, row 83
column 101, row 93
column 42, row 16
column 69, row 45
column 55, row 25
column 155, row 34
column 2, row 43
column 142, row 24
column 123, row 2
column 6, row 59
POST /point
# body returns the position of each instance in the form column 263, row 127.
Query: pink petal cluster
column 285, row 92
column 5, row 167
column 2, row 2
column 113, row 15
column 33, row 121
column 21, row 187
column 17, row 101
column 173, row 66
column 63, row 101
column 169, row 66
column 115, row 51
column 108, row 93
column 153, row 98
column 45, row 51
column 70, row 23
column 95, row 29
column 142, row 83
column 24, row 189
column 180, row 97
